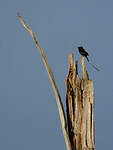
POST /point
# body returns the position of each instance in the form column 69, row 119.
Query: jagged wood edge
column 55, row 89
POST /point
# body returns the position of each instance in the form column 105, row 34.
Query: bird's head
column 80, row 47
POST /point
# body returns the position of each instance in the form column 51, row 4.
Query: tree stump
column 80, row 107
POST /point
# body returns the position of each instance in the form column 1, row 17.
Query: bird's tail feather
column 94, row 66
column 87, row 59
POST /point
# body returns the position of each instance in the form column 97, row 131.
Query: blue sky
column 28, row 110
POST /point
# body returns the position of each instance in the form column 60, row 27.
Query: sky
column 29, row 117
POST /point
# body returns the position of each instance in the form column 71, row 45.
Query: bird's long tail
column 94, row 66
column 87, row 59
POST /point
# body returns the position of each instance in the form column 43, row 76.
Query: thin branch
column 55, row 89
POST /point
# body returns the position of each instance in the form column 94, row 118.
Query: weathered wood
column 79, row 103
column 53, row 83
column 80, row 107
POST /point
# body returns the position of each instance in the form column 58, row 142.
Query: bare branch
column 55, row 89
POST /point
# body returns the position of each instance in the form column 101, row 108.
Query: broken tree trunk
column 80, row 107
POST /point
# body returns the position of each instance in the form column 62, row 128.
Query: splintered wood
column 80, row 107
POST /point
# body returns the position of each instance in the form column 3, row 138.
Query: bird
column 83, row 52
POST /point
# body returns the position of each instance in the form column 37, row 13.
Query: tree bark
column 80, row 107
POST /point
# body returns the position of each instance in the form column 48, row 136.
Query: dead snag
column 80, row 107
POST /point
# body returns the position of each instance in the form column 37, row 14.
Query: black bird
column 84, row 53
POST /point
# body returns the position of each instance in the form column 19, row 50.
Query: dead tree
column 78, row 126
column 80, row 107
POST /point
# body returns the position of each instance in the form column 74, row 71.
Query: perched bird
column 84, row 53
